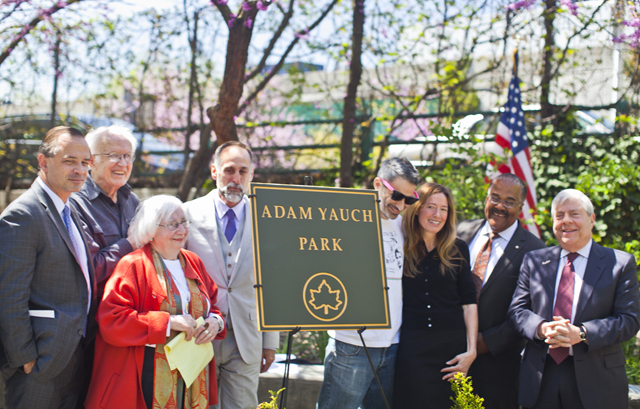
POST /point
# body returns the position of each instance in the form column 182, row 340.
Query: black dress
column 433, row 331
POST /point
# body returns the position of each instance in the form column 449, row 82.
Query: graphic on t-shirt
column 393, row 257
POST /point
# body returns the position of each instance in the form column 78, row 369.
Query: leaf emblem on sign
column 325, row 297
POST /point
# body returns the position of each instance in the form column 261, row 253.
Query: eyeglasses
column 509, row 204
column 173, row 226
column 397, row 196
column 115, row 157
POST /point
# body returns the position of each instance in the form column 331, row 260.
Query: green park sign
column 318, row 256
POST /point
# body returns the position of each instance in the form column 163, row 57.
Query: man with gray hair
column 221, row 236
column 349, row 381
column 575, row 303
column 106, row 204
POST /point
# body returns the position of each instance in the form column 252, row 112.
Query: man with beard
column 220, row 235
column 501, row 241
column 349, row 382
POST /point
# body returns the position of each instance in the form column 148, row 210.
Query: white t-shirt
column 393, row 240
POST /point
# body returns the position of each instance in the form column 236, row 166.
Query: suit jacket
column 236, row 295
column 39, row 271
column 608, row 307
column 502, row 363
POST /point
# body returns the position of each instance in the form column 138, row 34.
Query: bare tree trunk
column 349, row 111
column 193, row 83
column 194, row 168
column 546, row 109
column 56, row 75
column 222, row 114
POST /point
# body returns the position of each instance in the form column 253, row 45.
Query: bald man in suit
column 495, row 370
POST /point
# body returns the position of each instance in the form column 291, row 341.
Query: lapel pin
column 546, row 262
column 517, row 247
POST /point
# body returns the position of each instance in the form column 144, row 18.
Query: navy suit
column 608, row 307
column 495, row 374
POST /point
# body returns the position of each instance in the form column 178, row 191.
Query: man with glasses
column 497, row 245
column 349, row 382
column 106, row 205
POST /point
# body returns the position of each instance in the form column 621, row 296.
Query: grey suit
column 39, row 272
column 495, row 374
column 608, row 307
column 236, row 295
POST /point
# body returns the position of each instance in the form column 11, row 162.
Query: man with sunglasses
column 497, row 245
column 349, row 382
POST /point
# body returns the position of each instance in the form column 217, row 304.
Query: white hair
column 567, row 194
column 94, row 136
column 150, row 213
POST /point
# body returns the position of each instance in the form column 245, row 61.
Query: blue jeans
column 349, row 382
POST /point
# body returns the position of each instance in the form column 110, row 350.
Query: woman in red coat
column 155, row 293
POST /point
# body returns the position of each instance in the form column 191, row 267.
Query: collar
column 584, row 252
column 505, row 234
column 222, row 208
column 58, row 203
column 92, row 190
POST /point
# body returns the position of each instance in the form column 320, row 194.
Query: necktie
column 564, row 302
column 480, row 265
column 230, row 231
column 68, row 224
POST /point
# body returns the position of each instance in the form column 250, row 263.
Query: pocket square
column 42, row 313
column 546, row 262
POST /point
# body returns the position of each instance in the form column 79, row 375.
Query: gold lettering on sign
column 324, row 243
column 279, row 211
column 333, row 216
column 343, row 217
column 312, row 245
column 266, row 213
column 303, row 241
column 353, row 217
column 367, row 215
column 323, row 211
column 291, row 214
column 305, row 215
column 336, row 246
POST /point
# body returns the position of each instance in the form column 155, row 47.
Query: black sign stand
column 285, row 378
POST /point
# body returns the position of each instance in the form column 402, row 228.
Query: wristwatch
column 583, row 334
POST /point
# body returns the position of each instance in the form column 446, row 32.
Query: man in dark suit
column 576, row 303
column 46, row 281
column 503, row 242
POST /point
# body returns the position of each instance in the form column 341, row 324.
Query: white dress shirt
column 498, row 246
column 82, row 257
column 222, row 208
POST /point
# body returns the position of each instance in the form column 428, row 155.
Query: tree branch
column 31, row 25
column 276, row 36
column 280, row 63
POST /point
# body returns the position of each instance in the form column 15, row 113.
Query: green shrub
column 464, row 398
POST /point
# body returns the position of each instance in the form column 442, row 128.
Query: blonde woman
column 439, row 316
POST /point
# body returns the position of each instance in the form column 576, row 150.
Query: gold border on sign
column 262, row 326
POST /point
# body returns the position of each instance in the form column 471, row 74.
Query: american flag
column 512, row 135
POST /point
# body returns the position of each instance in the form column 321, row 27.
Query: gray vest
column 230, row 251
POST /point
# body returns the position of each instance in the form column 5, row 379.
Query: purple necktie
column 564, row 302
column 230, row 231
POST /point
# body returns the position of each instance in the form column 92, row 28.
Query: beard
column 233, row 197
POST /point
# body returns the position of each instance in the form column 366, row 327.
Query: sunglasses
column 397, row 196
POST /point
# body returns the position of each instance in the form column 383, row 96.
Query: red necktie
column 564, row 302
column 480, row 265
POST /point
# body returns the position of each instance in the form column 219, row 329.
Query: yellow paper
column 189, row 358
